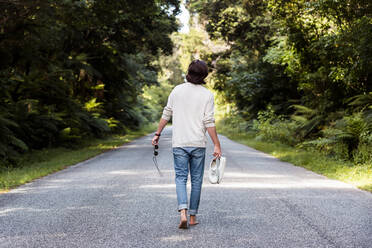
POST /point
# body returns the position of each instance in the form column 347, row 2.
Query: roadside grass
column 40, row 163
column 359, row 175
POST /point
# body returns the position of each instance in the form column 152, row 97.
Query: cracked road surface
column 117, row 199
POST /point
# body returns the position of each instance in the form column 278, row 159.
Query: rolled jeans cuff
column 182, row 206
column 193, row 212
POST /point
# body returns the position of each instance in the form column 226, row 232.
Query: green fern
column 347, row 131
column 363, row 103
column 308, row 120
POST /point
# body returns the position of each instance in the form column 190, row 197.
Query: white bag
column 216, row 169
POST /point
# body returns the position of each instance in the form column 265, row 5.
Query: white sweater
column 192, row 109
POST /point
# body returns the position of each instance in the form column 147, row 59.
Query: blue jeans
column 183, row 157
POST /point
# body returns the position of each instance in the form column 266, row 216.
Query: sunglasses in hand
column 156, row 147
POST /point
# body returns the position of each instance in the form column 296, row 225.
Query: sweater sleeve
column 208, row 119
column 168, row 109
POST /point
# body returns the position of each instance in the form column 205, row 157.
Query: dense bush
column 271, row 127
column 347, row 138
column 300, row 71
column 74, row 69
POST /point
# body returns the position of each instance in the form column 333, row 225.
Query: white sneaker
column 216, row 170
column 213, row 171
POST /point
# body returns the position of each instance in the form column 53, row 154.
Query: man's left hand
column 155, row 140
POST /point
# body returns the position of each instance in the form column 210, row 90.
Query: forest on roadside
column 294, row 71
column 290, row 71
column 73, row 69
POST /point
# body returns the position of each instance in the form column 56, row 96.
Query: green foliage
column 298, row 71
column 363, row 155
column 363, row 103
column 314, row 53
column 329, row 44
column 170, row 74
column 271, row 127
column 10, row 145
column 234, row 122
column 310, row 121
column 347, row 138
column 74, row 69
column 243, row 72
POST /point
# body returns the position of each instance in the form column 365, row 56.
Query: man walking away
column 191, row 107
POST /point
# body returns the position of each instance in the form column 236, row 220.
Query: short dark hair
column 197, row 72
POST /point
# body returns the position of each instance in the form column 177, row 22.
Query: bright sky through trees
column 184, row 17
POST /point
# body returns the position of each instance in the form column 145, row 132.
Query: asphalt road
column 117, row 199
